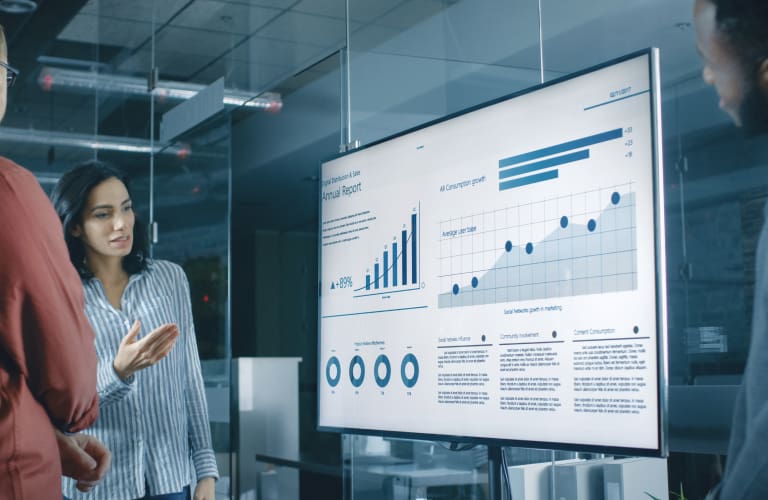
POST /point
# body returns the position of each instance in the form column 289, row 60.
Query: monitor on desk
column 498, row 276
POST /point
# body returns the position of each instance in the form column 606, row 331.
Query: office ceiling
column 255, row 45
column 261, row 45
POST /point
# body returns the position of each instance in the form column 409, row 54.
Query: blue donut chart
column 333, row 381
column 382, row 360
column 409, row 359
column 357, row 382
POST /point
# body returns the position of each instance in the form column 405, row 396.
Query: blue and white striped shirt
column 155, row 423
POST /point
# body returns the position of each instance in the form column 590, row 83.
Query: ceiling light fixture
column 85, row 81
column 17, row 6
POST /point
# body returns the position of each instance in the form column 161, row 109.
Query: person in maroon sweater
column 47, row 354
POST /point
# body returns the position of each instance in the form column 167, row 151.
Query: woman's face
column 106, row 229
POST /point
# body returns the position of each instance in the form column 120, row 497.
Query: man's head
column 732, row 37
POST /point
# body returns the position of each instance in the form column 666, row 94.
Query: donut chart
column 333, row 371
column 357, row 381
column 383, row 380
column 409, row 381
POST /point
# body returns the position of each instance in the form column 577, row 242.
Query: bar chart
column 514, row 169
column 397, row 268
column 579, row 244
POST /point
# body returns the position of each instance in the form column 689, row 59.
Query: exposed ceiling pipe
column 89, row 141
column 18, row 6
column 85, row 81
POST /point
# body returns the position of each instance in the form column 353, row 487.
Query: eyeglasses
column 10, row 74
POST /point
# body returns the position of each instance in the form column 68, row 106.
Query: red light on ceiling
column 47, row 82
column 183, row 152
column 274, row 107
column 205, row 299
column 196, row 189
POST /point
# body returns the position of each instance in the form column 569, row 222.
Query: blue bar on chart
column 367, row 281
column 405, row 257
column 528, row 179
column 386, row 269
column 541, row 165
column 376, row 276
column 522, row 164
column 413, row 249
column 562, row 148
column 394, row 264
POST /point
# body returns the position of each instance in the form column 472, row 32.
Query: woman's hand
column 205, row 489
column 133, row 355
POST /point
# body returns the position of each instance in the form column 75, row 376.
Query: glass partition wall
column 423, row 60
column 412, row 62
column 97, row 79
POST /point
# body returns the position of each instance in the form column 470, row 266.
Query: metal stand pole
column 494, row 472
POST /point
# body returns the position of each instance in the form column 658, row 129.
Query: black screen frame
column 661, row 449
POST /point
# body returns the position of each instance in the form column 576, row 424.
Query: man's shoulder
column 21, row 195
column 13, row 173
column 6, row 163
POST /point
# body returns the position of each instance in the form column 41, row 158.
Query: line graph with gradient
column 576, row 244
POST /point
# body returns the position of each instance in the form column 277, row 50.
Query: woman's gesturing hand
column 134, row 355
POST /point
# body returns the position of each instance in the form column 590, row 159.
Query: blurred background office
column 232, row 188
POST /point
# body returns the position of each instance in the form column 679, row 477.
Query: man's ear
column 76, row 231
column 762, row 76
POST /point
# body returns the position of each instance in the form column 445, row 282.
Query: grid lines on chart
column 574, row 244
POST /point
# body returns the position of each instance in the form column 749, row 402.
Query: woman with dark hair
column 153, row 416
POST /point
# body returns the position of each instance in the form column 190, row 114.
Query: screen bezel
column 660, row 279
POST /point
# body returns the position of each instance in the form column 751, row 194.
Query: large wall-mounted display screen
column 498, row 275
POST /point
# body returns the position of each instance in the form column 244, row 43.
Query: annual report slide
column 495, row 275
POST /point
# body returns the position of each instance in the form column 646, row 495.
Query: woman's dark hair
column 69, row 198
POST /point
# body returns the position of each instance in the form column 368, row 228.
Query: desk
column 303, row 464
column 392, row 480
column 410, row 482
